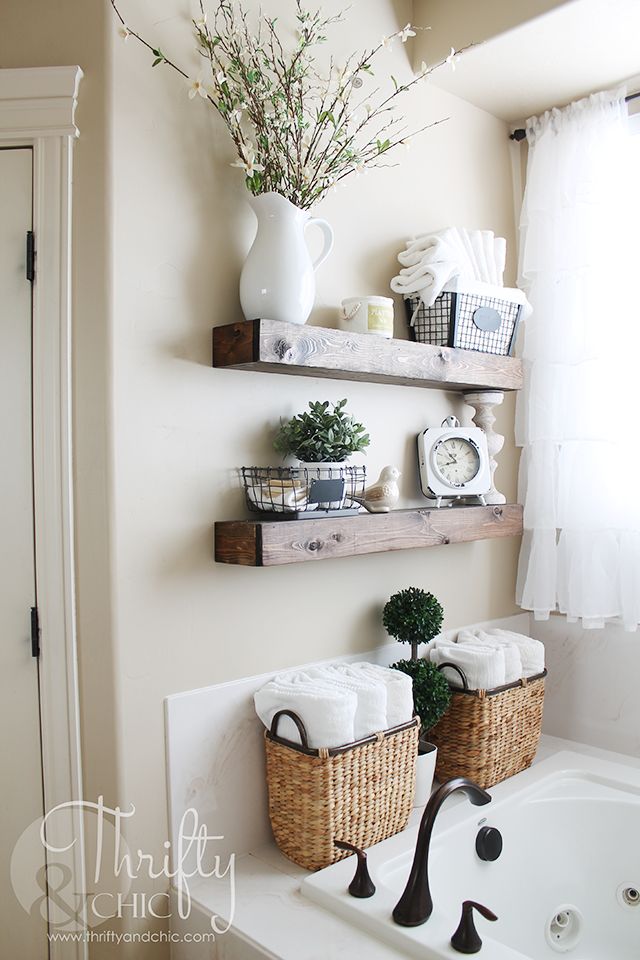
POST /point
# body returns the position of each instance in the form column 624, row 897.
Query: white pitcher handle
column 328, row 239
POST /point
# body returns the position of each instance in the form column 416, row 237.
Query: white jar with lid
column 367, row 315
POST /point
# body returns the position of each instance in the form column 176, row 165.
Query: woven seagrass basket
column 360, row 793
column 489, row 735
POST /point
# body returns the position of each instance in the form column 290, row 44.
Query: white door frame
column 37, row 107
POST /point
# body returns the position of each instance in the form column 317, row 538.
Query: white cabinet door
column 20, row 748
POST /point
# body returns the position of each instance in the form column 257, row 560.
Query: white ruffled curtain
column 577, row 417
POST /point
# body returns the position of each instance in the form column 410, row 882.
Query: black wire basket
column 289, row 493
column 470, row 321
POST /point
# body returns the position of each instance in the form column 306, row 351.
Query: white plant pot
column 278, row 277
column 326, row 471
column 425, row 772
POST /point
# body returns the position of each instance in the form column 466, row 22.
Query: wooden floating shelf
column 267, row 543
column 275, row 347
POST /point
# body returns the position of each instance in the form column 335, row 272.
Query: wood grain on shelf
column 268, row 345
column 271, row 542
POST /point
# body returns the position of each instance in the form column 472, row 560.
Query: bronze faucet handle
column 466, row 938
column 362, row 886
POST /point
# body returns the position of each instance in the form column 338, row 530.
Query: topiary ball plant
column 326, row 434
column 431, row 694
column 413, row 616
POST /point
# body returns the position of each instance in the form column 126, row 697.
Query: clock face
column 456, row 460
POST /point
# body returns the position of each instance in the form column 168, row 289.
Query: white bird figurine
column 383, row 495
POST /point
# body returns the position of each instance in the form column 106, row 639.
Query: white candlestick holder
column 483, row 402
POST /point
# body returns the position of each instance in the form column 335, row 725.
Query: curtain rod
column 520, row 133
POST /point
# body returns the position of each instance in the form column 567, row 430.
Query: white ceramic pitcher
column 277, row 280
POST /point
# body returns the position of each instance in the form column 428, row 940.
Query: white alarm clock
column 453, row 462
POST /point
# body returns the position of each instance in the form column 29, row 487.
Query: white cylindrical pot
column 367, row 315
column 326, row 471
column 278, row 277
column 425, row 772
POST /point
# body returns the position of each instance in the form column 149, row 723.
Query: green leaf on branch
column 322, row 434
column 275, row 92
column 254, row 182
column 327, row 115
column 431, row 694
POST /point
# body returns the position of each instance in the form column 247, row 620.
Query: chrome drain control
column 564, row 928
column 628, row 895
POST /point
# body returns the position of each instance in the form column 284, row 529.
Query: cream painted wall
column 458, row 23
column 161, row 229
column 181, row 230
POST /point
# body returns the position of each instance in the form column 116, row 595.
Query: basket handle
column 273, row 731
column 458, row 670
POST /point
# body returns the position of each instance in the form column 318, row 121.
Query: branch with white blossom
column 296, row 132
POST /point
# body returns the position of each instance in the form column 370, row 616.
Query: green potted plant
column 415, row 616
column 431, row 694
column 322, row 439
column 326, row 434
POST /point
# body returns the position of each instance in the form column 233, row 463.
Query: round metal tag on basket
column 487, row 319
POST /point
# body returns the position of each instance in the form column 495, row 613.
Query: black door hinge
column 31, row 256
column 35, row 632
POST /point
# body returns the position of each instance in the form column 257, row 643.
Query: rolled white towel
column 531, row 651
column 371, row 711
column 424, row 249
column 442, row 245
column 412, row 279
column 513, row 669
column 425, row 280
column 279, row 497
column 399, row 690
column 489, row 255
column 500, row 254
column 467, row 254
column 477, row 245
column 327, row 710
column 441, row 641
column 483, row 666
column 465, row 240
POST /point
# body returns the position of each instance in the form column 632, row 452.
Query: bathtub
column 567, row 882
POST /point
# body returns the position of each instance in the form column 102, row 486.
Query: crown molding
column 39, row 101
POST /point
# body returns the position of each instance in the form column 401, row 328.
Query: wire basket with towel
column 452, row 284
column 478, row 317
column 347, row 770
column 492, row 728
column 288, row 493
